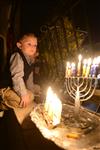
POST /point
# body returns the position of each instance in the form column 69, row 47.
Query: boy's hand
column 24, row 100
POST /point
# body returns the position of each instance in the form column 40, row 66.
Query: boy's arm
column 17, row 73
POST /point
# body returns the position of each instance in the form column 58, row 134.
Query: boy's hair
column 23, row 36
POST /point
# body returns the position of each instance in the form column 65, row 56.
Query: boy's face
column 28, row 45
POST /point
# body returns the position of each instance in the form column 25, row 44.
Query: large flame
column 53, row 106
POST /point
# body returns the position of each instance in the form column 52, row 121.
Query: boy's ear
column 18, row 45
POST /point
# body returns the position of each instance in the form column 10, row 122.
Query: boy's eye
column 29, row 44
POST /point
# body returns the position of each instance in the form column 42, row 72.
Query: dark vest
column 27, row 67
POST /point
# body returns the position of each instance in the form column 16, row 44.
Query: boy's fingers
column 21, row 104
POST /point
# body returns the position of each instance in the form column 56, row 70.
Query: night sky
column 86, row 15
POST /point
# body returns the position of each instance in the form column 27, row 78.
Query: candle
column 79, row 65
column 53, row 106
column 68, row 70
column 67, row 65
column 98, row 67
column 94, row 67
column 84, row 67
column 88, row 67
column 73, row 68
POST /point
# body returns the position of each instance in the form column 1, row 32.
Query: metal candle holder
column 80, row 89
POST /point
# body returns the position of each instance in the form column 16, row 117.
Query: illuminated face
column 28, row 45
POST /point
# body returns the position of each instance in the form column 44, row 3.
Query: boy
column 21, row 67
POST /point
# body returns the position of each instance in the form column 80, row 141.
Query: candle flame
column 94, row 61
column 89, row 61
column 85, row 61
column 80, row 57
column 68, row 64
column 73, row 64
column 98, row 58
column 53, row 106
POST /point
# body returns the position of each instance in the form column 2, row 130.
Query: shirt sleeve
column 17, row 73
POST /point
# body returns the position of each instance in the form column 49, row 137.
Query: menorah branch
column 82, row 89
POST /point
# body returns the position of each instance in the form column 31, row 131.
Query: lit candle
column 98, row 68
column 73, row 68
column 98, row 59
column 67, row 66
column 94, row 67
column 84, row 67
column 88, row 67
column 68, row 70
column 79, row 65
column 53, row 106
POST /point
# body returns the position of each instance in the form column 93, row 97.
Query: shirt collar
column 29, row 59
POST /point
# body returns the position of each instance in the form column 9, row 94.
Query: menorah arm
column 84, row 86
column 85, row 99
column 70, row 92
column 87, row 91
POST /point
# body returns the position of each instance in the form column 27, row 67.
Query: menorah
column 80, row 89
column 82, row 82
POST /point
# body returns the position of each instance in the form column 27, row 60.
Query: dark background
column 85, row 13
column 35, row 13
